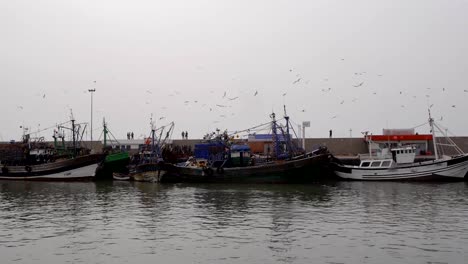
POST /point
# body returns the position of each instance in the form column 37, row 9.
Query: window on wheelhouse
column 376, row 164
column 365, row 164
column 386, row 163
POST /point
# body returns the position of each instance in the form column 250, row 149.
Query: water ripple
column 342, row 222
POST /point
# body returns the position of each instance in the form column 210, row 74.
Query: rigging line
column 245, row 130
column 248, row 130
column 99, row 138
column 445, row 129
column 110, row 132
column 459, row 150
column 97, row 128
column 115, row 139
column 425, row 123
column 47, row 128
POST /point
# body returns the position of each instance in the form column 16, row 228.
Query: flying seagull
column 296, row 81
column 359, row 85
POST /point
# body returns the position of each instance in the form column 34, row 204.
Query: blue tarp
column 240, row 148
column 208, row 150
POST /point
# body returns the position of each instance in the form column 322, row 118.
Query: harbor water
column 332, row 222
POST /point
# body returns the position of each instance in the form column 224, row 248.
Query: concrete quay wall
column 343, row 146
column 337, row 146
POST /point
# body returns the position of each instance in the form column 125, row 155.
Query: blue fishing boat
column 222, row 159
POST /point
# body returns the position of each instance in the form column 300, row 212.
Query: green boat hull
column 115, row 162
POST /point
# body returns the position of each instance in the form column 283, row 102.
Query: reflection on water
column 131, row 222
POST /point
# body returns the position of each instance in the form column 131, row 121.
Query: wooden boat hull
column 80, row 168
column 451, row 169
column 148, row 176
column 117, row 176
column 300, row 170
column 149, row 172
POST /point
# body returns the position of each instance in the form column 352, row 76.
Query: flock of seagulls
column 298, row 80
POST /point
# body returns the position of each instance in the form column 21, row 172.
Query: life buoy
column 28, row 168
column 208, row 172
column 220, row 170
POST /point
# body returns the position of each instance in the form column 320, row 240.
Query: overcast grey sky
column 149, row 57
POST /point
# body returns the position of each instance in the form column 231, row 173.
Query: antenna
column 151, row 122
column 431, row 124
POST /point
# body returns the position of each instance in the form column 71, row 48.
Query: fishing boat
column 35, row 159
column 148, row 165
column 116, row 160
column 222, row 159
column 400, row 163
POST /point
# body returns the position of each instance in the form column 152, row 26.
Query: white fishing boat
column 401, row 165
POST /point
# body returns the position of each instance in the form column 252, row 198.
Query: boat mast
column 152, row 143
column 275, row 134
column 105, row 131
column 153, row 131
column 290, row 146
column 431, row 123
column 287, row 121
column 74, row 137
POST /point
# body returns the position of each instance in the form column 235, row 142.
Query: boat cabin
column 404, row 155
column 240, row 155
column 401, row 155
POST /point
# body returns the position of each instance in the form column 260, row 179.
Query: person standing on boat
column 132, row 135
column 186, row 135
column 183, row 135
column 331, row 132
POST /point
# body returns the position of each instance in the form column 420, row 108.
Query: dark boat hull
column 300, row 170
column 80, row 168
column 114, row 163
